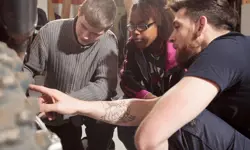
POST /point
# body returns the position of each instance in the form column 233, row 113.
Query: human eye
column 130, row 27
column 176, row 27
column 142, row 27
column 83, row 26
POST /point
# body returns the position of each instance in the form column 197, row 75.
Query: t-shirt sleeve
column 221, row 62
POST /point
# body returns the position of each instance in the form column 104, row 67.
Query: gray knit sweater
column 84, row 72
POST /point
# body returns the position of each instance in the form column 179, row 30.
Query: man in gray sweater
column 79, row 57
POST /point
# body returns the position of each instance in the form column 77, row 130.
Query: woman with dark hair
column 150, row 59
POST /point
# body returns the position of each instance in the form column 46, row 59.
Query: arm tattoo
column 118, row 112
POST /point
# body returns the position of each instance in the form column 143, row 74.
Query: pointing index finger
column 40, row 89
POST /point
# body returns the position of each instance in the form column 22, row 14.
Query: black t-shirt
column 226, row 62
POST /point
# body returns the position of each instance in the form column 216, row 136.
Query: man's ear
column 201, row 25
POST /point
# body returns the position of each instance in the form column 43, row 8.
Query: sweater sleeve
column 37, row 58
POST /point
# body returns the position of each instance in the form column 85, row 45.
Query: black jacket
column 135, row 76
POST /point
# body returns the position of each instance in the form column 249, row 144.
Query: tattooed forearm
column 117, row 112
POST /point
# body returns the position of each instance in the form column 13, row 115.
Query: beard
column 183, row 58
column 186, row 55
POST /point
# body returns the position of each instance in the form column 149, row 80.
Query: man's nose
column 85, row 35
column 134, row 32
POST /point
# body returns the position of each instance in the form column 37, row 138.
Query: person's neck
column 212, row 35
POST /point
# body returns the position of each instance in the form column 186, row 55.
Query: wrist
column 82, row 107
column 79, row 106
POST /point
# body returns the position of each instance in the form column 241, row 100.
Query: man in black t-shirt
column 208, row 108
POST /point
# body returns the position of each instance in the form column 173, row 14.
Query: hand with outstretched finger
column 53, row 100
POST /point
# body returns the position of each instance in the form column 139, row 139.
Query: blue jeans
column 205, row 132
